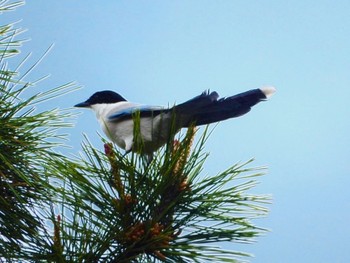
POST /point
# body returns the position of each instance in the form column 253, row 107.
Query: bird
column 156, row 124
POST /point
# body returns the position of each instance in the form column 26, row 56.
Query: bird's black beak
column 82, row 105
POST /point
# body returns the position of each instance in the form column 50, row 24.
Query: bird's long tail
column 207, row 108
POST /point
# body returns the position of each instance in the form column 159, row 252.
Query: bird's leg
column 149, row 158
column 126, row 152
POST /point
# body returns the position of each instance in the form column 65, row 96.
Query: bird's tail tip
column 268, row 91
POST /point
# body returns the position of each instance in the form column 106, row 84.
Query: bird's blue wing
column 145, row 111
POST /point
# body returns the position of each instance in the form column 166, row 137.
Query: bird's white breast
column 121, row 131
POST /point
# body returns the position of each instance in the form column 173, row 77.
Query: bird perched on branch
column 156, row 124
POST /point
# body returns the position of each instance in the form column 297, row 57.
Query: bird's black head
column 106, row 96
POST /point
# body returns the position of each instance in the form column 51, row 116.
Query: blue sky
column 162, row 52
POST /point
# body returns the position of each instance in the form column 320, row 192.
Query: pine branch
column 27, row 142
column 161, row 211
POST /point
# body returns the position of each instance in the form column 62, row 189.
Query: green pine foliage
column 27, row 140
column 122, row 209
column 105, row 206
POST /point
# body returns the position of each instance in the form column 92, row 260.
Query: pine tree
column 104, row 206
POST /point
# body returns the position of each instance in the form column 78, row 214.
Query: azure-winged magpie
column 115, row 115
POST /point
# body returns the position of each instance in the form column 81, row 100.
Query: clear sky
column 162, row 52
